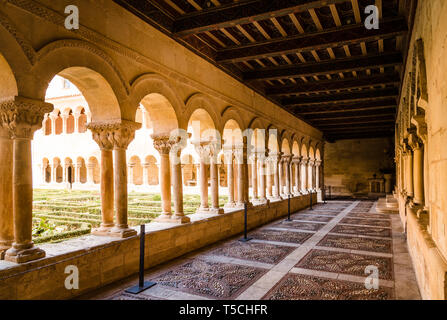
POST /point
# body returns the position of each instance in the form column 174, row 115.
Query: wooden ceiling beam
column 243, row 12
column 357, row 107
column 339, row 36
column 352, row 97
column 323, row 86
column 352, row 115
column 353, row 124
column 326, row 67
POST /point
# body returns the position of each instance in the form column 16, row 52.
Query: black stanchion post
column 288, row 209
column 245, row 238
column 310, row 200
column 324, row 194
column 142, row 285
column 330, row 193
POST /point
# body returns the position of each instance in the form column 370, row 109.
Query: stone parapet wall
column 109, row 260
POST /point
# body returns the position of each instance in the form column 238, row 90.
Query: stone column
column 287, row 160
column 78, row 167
column 276, row 161
column 304, row 162
column 76, row 122
column 177, row 185
column 418, row 169
column 203, row 150
column 102, row 134
column 131, row 167
column 53, row 118
column 122, row 135
column 310, row 174
column 281, row 177
column 6, row 207
column 163, row 144
column 64, row 123
column 22, row 117
column 409, row 172
column 262, row 200
column 317, row 175
column 91, row 173
column 242, row 175
column 269, row 173
column 297, row 161
column 254, row 176
column 146, row 167
column 214, row 173
column 228, row 153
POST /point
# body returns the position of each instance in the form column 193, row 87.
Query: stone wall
column 102, row 260
column 422, row 154
column 350, row 163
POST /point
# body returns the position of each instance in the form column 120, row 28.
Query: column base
column 203, row 210
column 163, row 218
column 24, row 255
column 240, row 205
column 122, row 232
column 103, row 230
column 304, row 192
column 180, row 219
column 230, row 205
column 274, row 199
column 261, row 202
column 216, row 211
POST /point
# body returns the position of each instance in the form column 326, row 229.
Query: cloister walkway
column 321, row 254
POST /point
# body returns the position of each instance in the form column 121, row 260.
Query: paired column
column 261, row 158
column 214, row 172
column 6, row 205
column 269, row 177
column 296, row 162
column 254, row 176
column 101, row 133
column 317, row 175
column 408, row 156
column 78, row 167
column 310, row 175
column 418, row 168
column 304, row 175
column 242, row 174
column 287, row 160
column 275, row 158
column 22, row 117
column 122, row 135
column 229, row 155
column 163, row 144
column 177, row 182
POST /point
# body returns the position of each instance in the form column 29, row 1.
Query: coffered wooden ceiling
column 314, row 58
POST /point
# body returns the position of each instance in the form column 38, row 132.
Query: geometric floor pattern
column 328, row 253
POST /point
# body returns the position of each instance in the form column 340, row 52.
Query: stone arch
column 295, row 149
column 231, row 113
column 18, row 53
column 285, row 146
column 82, row 170
column 273, row 139
column 93, row 163
column 304, row 152
column 196, row 102
column 155, row 86
column 232, row 133
column 58, row 171
column 47, row 170
column 311, row 152
column 201, row 125
column 91, row 70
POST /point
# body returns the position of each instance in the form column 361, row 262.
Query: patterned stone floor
column 329, row 253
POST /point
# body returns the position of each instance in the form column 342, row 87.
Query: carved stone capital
column 305, row 161
column 23, row 116
column 163, row 143
column 275, row 157
column 115, row 134
column 414, row 142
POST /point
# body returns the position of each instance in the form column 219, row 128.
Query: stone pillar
column 78, row 167
column 122, row 135
column 146, row 167
column 214, row 173
column 131, row 167
column 64, row 123
column 53, row 118
column 418, row 169
column 177, row 185
column 22, row 117
column 101, row 133
column 310, row 174
column 91, row 172
column 304, row 171
column 6, row 207
column 276, row 161
column 242, row 174
column 409, row 172
column 254, row 176
column 269, row 176
column 203, row 150
column 262, row 199
column 297, row 161
column 76, row 122
column 163, row 144
column 287, row 160
column 317, row 175
column 229, row 154
column 281, row 177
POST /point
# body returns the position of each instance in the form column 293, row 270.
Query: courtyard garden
column 62, row 214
